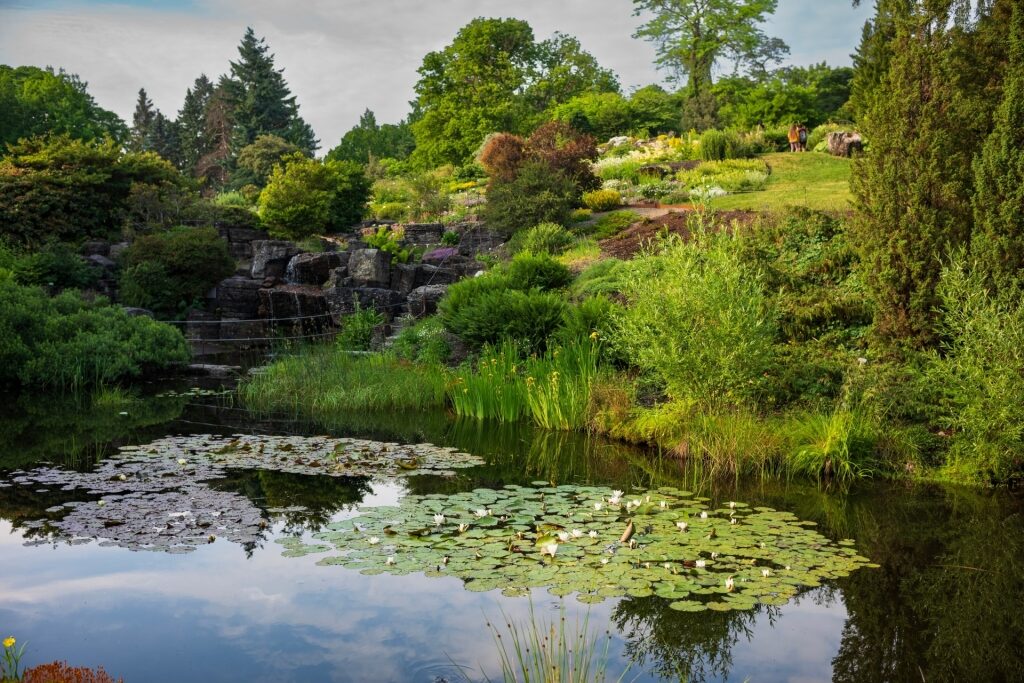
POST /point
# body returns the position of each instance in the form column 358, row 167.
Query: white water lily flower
column 732, row 505
column 604, row 560
column 682, row 525
column 636, row 503
column 700, row 564
column 647, row 565
column 374, row 540
column 714, row 555
column 766, row 573
column 592, row 533
column 664, row 505
column 787, row 567
column 182, row 461
column 616, row 497
column 597, row 506
column 729, row 584
column 551, row 549
column 563, row 536
column 667, row 566
column 648, row 499
column 463, row 527
column 122, row 477
column 101, row 503
column 734, row 521
column 438, row 520
column 703, row 514
column 390, row 561
column 576, row 533
column 763, row 546
column 482, row 512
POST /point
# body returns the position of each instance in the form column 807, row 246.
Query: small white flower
column 682, row 525
column 390, row 561
column 703, row 514
column 664, row 505
column 729, row 584
column 766, row 572
column 438, row 520
column 463, row 527
column 576, row 533
column 862, row 361
column 482, row 512
column 616, row 498
column 732, row 505
column 667, row 566
column 714, row 555
column 122, row 477
column 374, row 540
column 551, row 549
column 182, row 461
column 102, row 503
column 647, row 565
column 592, row 533
column 563, row 536
column 636, row 503
column 734, row 521
column 763, row 546
column 648, row 499
column 700, row 564
column 604, row 560
column 787, row 567
column 597, row 507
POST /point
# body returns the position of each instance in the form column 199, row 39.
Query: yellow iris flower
column 9, row 641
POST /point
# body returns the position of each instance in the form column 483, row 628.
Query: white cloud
column 340, row 56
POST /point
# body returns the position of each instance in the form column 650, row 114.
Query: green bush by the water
column 67, row 342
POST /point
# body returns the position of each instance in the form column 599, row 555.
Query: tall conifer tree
column 142, row 122
column 195, row 141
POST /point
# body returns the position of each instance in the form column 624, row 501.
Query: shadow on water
column 946, row 603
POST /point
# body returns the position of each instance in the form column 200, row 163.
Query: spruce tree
column 213, row 165
column 913, row 187
column 163, row 139
column 264, row 104
column 142, row 122
column 998, row 241
column 194, row 140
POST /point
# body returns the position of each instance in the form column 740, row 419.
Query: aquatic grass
column 541, row 651
column 835, row 446
column 552, row 390
column 318, row 381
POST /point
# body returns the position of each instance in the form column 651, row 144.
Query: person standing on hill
column 794, row 137
column 802, row 137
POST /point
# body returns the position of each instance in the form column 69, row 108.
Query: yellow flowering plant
column 10, row 661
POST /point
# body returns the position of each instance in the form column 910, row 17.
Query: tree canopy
column 493, row 77
column 368, row 139
column 38, row 101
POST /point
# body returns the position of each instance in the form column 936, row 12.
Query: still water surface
column 946, row 603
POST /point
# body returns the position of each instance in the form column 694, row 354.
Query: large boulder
column 237, row 297
column 314, row 269
column 408, row 276
column 370, row 268
column 300, row 309
column 843, row 144
column 270, row 258
column 240, row 240
column 342, row 301
column 423, row 300
column 478, row 240
column 96, row 248
column 423, row 233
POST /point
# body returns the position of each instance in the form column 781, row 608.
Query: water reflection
column 945, row 604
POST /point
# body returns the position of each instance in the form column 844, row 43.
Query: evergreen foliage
column 263, row 102
column 998, row 242
column 193, row 134
column 306, row 196
column 256, row 162
column 370, row 140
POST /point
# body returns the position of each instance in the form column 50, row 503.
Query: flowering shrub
column 60, row 671
column 602, row 200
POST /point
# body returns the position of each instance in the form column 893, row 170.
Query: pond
column 257, row 549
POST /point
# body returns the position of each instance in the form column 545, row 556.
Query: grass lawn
column 813, row 180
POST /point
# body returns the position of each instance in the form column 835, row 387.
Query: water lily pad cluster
column 595, row 543
column 155, row 497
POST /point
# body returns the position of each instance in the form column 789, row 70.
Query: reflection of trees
column 320, row 497
column 947, row 603
column 78, row 430
column 684, row 646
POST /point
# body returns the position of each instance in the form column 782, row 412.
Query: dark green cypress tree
column 264, row 104
column 142, row 122
column 913, row 187
column 998, row 241
column 192, row 132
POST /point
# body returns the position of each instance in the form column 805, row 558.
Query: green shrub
column 546, row 238
column 612, row 224
column 581, row 215
column 607, row 276
column 423, row 342
column 169, row 272
column 390, row 212
column 450, row 238
column 540, row 271
column 716, row 145
column 68, row 342
column 306, row 196
column 981, row 375
column 357, row 329
column 387, row 240
column 57, row 266
column 698, row 320
column 486, row 310
column 602, row 200
column 538, row 194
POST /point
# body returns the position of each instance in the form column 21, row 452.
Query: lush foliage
column 370, row 140
column 602, row 200
column 356, row 332
column 255, row 162
column 305, row 197
column 66, row 342
column 538, row 194
column 546, row 238
column 171, row 271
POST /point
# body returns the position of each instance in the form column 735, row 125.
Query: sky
column 343, row 56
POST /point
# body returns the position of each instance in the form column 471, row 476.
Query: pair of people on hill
column 797, row 138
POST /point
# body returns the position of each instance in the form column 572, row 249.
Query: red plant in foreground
column 60, row 672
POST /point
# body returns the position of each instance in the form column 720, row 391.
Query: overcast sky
column 341, row 56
